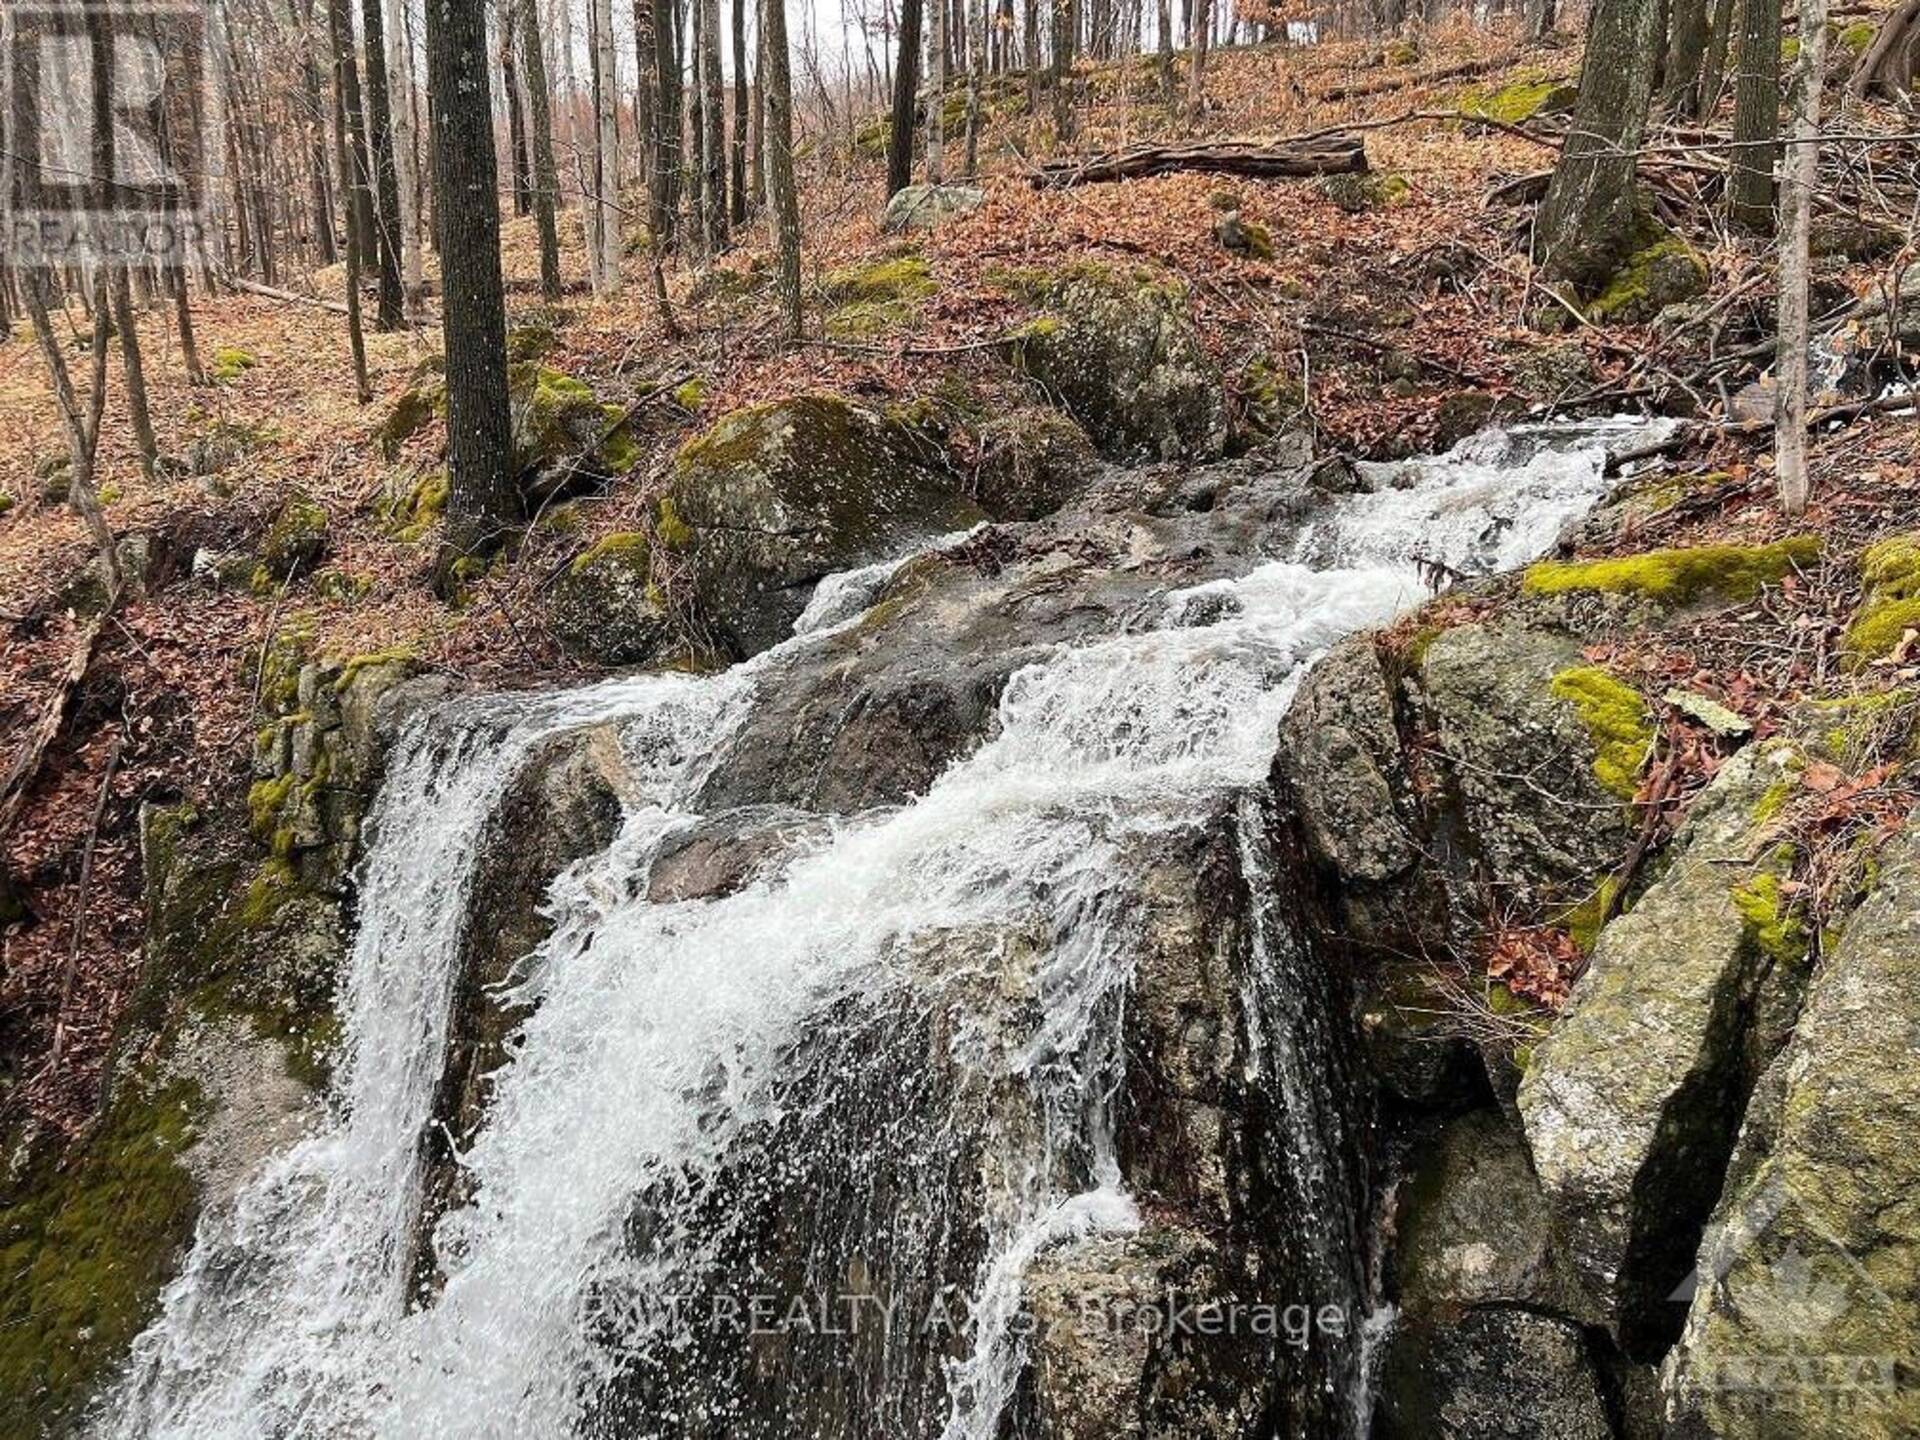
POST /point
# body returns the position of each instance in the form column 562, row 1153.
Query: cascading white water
column 653, row 1054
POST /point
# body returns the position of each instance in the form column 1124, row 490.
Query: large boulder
column 775, row 496
column 923, row 207
column 1805, row 1307
column 1120, row 352
column 1543, row 751
column 1631, row 1103
column 1499, row 1373
column 1031, row 462
column 605, row 605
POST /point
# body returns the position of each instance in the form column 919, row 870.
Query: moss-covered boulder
column 923, row 207
column 1804, row 1318
column 1520, row 99
column 1543, row 751
column 774, row 496
column 1358, row 193
column 1889, row 599
column 296, row 541
column 1661, row 270
column 605, row 606
column 876, row 295
column 561, row 433
column 1678, row 577
column 1632, row 1101
column 1119, row 350
column 1031, row 462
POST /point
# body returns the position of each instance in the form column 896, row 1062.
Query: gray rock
column 720, row 854
column 1472, row 1226
column 923, row 207
column 1632, row 1101
column 1522, row 761
column 1121, row 353
column 1032, row 462
column 773, row 497
column 605, row 607
column 1495, row 1373
column 1805, row 1303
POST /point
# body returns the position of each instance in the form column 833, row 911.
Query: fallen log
column 1404, row 80
column 26, row 764
column 1888, row 67
column 1335, row 154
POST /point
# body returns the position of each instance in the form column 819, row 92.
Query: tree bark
column 406, row 156
column 481, row 497
column 1588, row 220
column 663, row 191
column 1713, row 69
column 1888, row 64
column 1686, row 54
column 139, row 419
column 1756, row 117
column 777, row 81
column 739, row 151
column 82, row 421
column 546, row 178
column 937, row 95
column 356, row 174
column 386, row 189
column 519, row 153
column 976, row 78
column 326, row 252
column 604, row 231
column 1802, row 172
column 713, row 111
column 906, row 97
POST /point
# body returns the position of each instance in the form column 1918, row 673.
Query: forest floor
column 1380, row 315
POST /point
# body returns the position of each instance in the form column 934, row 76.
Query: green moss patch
column 1664, row 270
column 230, row 362
column 1519, row 100
column 85, row 1247
column 1769, row 922
column 1675, row 577
column 1616, row 718
column 876, row 296
column 1890, row 603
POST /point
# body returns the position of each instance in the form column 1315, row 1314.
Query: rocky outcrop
column 1542, row 752
column 923, row 207
column 775, row 496
column 1805, row 1302
column 1632, row 1101
column 1120, row 353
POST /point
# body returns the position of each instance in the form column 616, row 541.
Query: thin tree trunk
column 713, row 144
column 82, row 422
column 777, row 78
column 482, row 500
column 356, row 333
column 406, row 159
column 757, row 129
column 1686, row 52
column 386, row 189
column 906, row 97
column 326, row 252
column 1197, row 78
column 664, row 177
column 357, row 171
column 605, row 230
column 937, row 95
column 546, row 180
column 1756, row 117
column 643, row 94
column 518, row 153
column 1164, row 17
column 739, row 153
column 183, row 322
column 140, row 420
column 1713, row 70
column 1587, row 222
column 976, row 78
column 1802, row 172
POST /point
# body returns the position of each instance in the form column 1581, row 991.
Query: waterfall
column 905, row 1048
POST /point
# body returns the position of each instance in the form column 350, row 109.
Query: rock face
column 605, row 606
column 1632, row 1101
column 1031, row 463
column 1121, row 354
column 1524, row 760
column 1805, row 1306
column 1495, row 1374
column 775, row 496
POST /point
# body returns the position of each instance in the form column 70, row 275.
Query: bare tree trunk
column 482, row 500
column 937, row 95
column 739, row 151
column 356, row 171
column 906, row 98
column 316, row 129
column 976, row 78
column 1713, row 69
column 519, row 154
column 341, row 30
column 386, row 190
column 1164, row 18
column 1756, row 117
column 546, row 179
column 1197, row 80
column 777, row 80
column 1802, row 172
column 664, row 179
column 83, row 423
column 183, row 321
column 604, row 231
column 406, row 159
column 1587, row 222
column 1686, row 51
column 713, row 108
column 757, row 129
column 1030, row 39
column 138, row 416
column 1542, row 16
column 643, row 95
